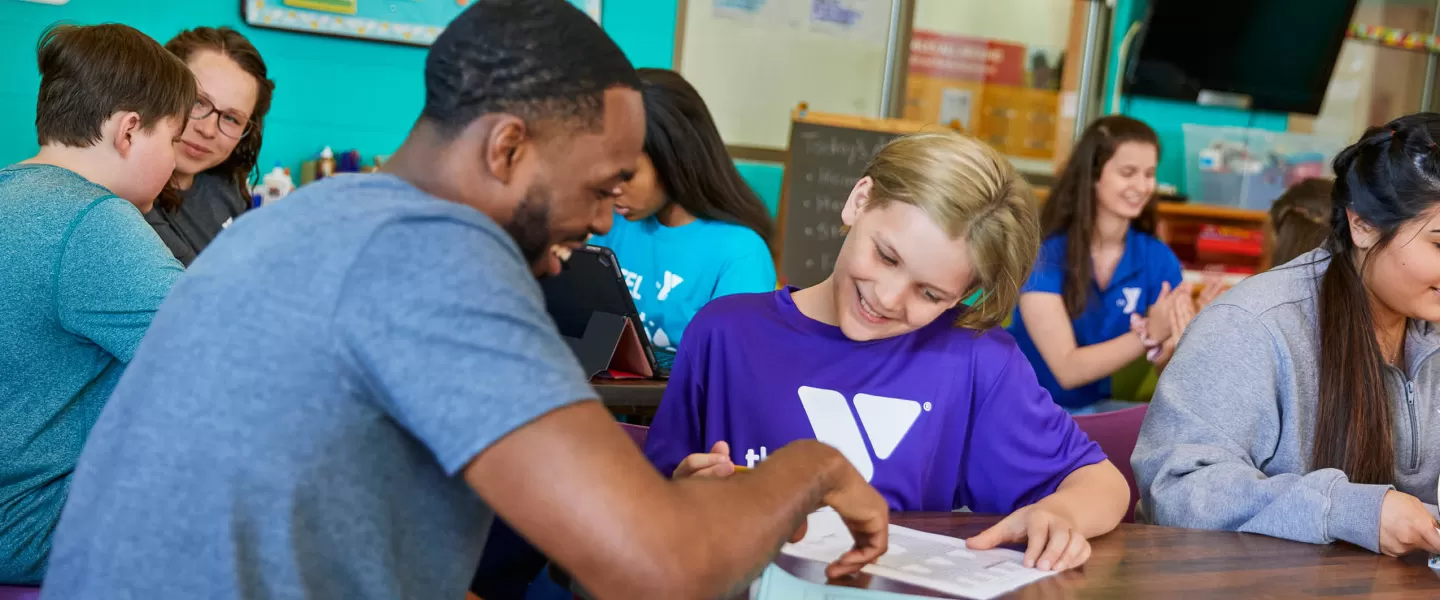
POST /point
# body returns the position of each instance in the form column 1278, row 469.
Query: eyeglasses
column 231, row 125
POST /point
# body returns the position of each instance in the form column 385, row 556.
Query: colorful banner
column 402, row 21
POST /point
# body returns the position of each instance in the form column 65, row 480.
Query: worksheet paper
column 922, row 559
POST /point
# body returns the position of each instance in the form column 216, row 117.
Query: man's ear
column 507, row 143
column 858, row 200
column 1362, row 233
column 122, row 127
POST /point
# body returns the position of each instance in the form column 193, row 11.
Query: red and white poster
column 961, row 58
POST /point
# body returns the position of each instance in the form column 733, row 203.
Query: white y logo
column 671, row 280
column 886, row 421
column 1132, row 297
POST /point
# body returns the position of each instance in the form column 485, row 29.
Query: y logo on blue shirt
column 1132, row 298
column 886, row 421
column 671, row 280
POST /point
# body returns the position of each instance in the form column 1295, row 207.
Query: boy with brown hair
column 81, row 274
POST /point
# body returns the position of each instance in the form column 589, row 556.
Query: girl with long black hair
column 1303, row 403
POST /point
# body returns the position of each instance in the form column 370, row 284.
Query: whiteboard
column 754, row 60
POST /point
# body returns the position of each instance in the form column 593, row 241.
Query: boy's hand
column 1052, row 541
column 714, row 464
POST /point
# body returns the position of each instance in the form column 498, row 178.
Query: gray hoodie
column 1227, row 441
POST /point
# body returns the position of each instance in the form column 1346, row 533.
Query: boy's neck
column 818, row 302
column 92, row 163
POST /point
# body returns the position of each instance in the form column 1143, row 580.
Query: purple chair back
column 1116, row 432
column 637, row 433
column 11, row 592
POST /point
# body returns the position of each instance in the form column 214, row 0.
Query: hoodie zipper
column 1414, row 428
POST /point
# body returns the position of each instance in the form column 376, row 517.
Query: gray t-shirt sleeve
column 449, row 327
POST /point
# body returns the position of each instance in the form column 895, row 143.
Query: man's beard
column 530, row 226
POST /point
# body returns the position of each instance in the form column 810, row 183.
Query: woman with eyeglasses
column 216, row 155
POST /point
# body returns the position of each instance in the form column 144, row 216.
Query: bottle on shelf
column 326, row 166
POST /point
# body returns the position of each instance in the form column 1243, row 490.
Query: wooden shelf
column 1188, row 211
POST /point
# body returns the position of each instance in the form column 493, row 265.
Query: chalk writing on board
column 827, row 177
column 855, row 152
column 826, row 262
column 824, row 204
column 825, row 232
column 824, row 164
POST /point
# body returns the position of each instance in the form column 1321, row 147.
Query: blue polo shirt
column 1146, row 264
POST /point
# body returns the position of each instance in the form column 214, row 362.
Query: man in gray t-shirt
column 345, row 389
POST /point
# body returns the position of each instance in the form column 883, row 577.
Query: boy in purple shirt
column 934, row 404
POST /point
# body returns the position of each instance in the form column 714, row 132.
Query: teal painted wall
column 1168, row 117
column 342, row 93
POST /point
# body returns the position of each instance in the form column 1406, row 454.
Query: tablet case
column 611, row 343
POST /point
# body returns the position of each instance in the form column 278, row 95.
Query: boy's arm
column 1028, row 456
column 113, row 274
column 1094, row 498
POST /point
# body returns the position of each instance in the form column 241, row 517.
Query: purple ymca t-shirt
column 937, row 419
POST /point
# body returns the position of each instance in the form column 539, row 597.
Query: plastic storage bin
column 1249, row 168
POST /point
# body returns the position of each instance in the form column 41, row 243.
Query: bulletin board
column 754, row 60
column 416, row 22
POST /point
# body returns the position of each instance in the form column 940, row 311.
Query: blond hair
column 973, row 193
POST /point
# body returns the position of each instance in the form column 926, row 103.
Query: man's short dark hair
column 88, row 73
column 540, row 60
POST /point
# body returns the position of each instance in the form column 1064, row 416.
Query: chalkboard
column 828, row 154
column 825, row 162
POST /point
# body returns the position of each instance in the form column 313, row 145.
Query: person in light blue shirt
column 1100, row 268
column 691, row 230
column 81, row 274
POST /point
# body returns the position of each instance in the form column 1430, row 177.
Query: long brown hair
column 1298, row 221
column 241, row 166
column 1390, row 176
column 690, row 159
column 1071, row 207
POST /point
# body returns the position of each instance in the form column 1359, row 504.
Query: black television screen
column 1261, row 54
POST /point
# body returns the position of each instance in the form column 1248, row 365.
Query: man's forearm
column 762, row 510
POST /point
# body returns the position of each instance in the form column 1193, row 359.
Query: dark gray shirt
column 209, row 206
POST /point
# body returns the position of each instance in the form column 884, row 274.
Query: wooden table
column 1140, row 561
column 638, row 397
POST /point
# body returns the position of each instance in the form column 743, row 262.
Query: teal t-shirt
column 81, row 275
column 674, row 271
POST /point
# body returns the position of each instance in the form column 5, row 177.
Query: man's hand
column 867, row 515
